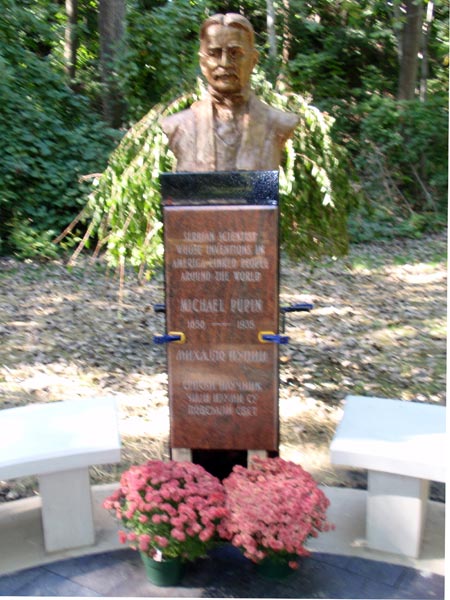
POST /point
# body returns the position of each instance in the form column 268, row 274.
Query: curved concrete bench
column 402, row 445
column 58, row 442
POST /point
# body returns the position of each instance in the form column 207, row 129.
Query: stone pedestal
column 221, row 273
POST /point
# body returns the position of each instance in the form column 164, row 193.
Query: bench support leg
column 67, row 517
column 396, row 508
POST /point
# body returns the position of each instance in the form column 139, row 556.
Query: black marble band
column 222, row 187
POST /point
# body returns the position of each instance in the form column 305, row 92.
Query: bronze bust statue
column 231, row 129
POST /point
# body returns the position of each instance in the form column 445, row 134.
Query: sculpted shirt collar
column 253, row 137
column 229, row 100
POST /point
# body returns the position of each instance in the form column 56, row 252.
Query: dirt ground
column 378, row 328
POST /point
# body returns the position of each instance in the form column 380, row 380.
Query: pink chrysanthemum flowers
column 274, row 508
column 169, row 508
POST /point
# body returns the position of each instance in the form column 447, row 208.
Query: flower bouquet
column 170, row 510
column 274, row 507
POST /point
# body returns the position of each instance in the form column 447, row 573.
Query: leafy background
column 363, row 163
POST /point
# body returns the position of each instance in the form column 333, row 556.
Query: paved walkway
column 225, row 574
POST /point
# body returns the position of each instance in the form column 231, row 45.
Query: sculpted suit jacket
column 265, row 131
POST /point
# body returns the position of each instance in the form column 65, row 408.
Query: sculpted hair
column 229, row 20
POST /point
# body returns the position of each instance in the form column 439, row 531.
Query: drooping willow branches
column 123, row 213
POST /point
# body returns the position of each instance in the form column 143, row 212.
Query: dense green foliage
column 50, row 137
column 402, row 162
column 155, row 67
column 343, row 57
column 346, row 56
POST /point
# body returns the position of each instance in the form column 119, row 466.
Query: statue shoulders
column 171, row 123
column 183, row 118
column 284, row 122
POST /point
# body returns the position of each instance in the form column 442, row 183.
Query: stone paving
column 224, row 574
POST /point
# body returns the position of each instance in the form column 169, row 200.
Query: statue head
column 227, row 52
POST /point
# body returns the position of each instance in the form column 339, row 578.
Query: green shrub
column 401, row 158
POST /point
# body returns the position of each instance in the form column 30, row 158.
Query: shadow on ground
column 224, row 574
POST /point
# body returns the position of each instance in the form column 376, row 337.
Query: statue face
column 227, row 58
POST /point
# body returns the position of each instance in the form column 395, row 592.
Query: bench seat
column 402, row 445
column 58, row 442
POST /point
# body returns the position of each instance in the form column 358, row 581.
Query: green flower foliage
column 124, row 209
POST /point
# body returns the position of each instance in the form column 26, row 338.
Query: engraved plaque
column 221, row 266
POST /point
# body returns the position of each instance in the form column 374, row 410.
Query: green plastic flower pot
column 165, row 573
column 274, row 569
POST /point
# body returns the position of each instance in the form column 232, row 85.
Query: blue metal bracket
column 159, row 308
column 167, row 338
column 267, row 336
column 300, row 307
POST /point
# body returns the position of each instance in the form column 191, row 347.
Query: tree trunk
column 410, row 46
column 287, row 37
column 424, row 63
column 271, row 34
column 112, row 32
column 71, row 39
column 282, row 79
column 397, row 19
